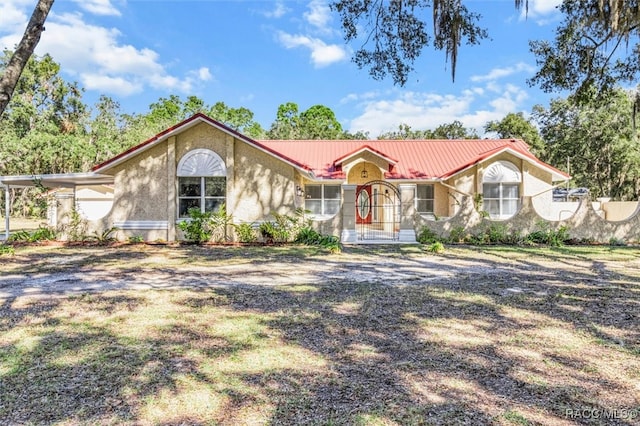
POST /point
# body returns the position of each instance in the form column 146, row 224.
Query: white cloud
column 98, row 7
column 278, row 11
column 13, row 16
column 498, row 73
column 322, row 54
column 115, row 85
column 354, row 97
column 543, row 7
column 473, row 107
column 542, row 12
column 96, row 56
column 204, row 74
column 319, row 14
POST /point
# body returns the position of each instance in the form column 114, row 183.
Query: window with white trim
column 202, row 182
column 425, row 199
column 501, row 190
column 322, row 200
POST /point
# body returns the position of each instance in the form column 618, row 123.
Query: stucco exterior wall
column 536, row 182
column 354, row 171
column 464, row 182
column 145, row 185
column 585, row 224
column 554, row 210
column 262, row 184
column 199, row 137
column 619, row 210
column 140, row 188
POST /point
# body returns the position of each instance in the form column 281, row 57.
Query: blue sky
column 260, row 54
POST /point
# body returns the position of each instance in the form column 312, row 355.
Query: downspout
column 7, row 203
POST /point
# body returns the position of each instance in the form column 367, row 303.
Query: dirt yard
column 145, row 334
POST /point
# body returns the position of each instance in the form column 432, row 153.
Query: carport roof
column 66, row 180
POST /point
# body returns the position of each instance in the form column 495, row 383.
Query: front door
column 363, row 204
column 377, row 211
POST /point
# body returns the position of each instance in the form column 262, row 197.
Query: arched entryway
column 377, row 211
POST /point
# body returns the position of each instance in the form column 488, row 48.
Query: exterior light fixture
column 299, row 191
column 363, row 173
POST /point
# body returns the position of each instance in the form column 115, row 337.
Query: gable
column 180, row 128
column 328, row 159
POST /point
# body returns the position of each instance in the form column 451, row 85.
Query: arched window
column 501, row 190
column 202, row 182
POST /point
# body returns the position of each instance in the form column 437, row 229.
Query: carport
column 50, row 181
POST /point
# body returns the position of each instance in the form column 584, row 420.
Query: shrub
column 19, row 236
column 496, row 233
column 458, row 234
column 284, row 228
column 547, row 236
column 43, row 233
column 616, row 242
column 105, row 236
column 219, row 224
column 436, row 247
column 310, row 236
column 268, row 231
column 245, row 232
column 198, row 228
column 7, row 249
column 135, row 239
column 76, row 229
column 331, row 243
column 427, row 236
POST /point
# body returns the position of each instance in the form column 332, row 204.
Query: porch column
column 65, row 206
column 171, row 189
column 7, row 207
column 407, row 212
column 348, row 214
column 229, row 162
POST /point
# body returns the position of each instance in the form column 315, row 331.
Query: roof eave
column 60, row 180
column 556, row 175
column 186, row 124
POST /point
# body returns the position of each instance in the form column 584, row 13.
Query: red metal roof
column 408, row 159
column 194, row 119
column 414, row 159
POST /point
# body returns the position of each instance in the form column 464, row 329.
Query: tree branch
column 23, row 52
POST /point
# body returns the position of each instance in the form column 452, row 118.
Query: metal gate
column 377, row 211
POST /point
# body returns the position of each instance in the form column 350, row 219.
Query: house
column 362, row 191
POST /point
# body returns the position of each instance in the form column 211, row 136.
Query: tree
column 286, row 125
column 45, row 123
column 13, row 69
column 453, row 130
column 359, row 135
column 395, row 33
column 106, row 135
column 514, row 125
column 239, row 119
column 169, row 111
column 586, row 54
column 596, row 137
column 398, row 32
column 317, row 122
column 405, row 132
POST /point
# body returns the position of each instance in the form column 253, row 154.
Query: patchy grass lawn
column 515, row 337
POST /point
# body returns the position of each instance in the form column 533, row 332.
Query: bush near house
column 497, row 233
